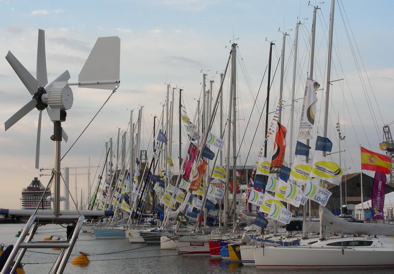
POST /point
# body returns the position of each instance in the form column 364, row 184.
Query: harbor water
column 119, row 256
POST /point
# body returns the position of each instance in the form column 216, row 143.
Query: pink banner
column 191, row 156
column 378, row 195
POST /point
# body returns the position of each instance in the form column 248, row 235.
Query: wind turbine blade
column 27, row 79
column 38, row 140
column 64, row 134
column 62, row 79
column 41, row 72
column 20, row 114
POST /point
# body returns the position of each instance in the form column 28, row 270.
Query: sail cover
column 332, row 224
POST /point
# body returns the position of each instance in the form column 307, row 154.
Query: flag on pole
column 263, row 166
column 323, row 144
column 215, row 141
column 161, row 137
column 207, row 153
column 182, row 218
column 279, row 150
column 378, row 195
column 316, row 193
column 302, row 149
column 219, row 172
column 190, row 157
column 285, row 173
column 374, row 161
column 260, row 220
column 326, row 169
column 256, row 198
column 308, row 110
column 198, row 174
column 300, row 170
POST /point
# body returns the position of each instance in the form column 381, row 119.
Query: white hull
column 167, row 243
column 193, row 245
column 322, row 257
column 133, row 235
column 247, row 255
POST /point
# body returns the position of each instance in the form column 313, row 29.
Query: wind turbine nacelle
column 59, row 100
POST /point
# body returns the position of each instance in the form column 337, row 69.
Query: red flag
column 375, row 161
column 279, row 148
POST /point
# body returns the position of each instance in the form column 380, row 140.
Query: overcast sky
column 173, row 41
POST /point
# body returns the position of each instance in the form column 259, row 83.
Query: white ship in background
column 31, row 196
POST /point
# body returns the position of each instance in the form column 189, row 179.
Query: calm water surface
column 119, row 256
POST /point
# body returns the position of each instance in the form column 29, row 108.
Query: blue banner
column 259, row 182
column 323, row 144
column 207, row 153
column 209, row 205
column 159, row 208
column 151, row 177
column 193, row 214
column 260, row 221
column 285, row 173
column 302, row 149
column 161, row 183
column 161, row 137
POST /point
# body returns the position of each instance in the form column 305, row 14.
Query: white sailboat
column 339, row 252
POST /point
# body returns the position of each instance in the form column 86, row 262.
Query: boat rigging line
column 94, row 117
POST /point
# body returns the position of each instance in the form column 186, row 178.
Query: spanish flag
column 374, row 161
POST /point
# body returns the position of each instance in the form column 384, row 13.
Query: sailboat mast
column 293, row 91
column 220, row 151
column 180, row 130
column 166, row 133
column 330, row 37
column 282, row 72
column 268, row 99
column 132, row 159
column 234, row 98
column 226, row 195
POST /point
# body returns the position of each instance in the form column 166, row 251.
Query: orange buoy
column 19, row 269
column 81, row 260
column 48, row 238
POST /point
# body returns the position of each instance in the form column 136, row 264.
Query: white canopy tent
column 388, row 208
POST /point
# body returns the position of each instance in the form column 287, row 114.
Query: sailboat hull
column 327, row 257
column 109, row 233
column 247, row 255
column 193, row 245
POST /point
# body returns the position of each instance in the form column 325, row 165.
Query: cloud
column 184, row 61
column 123, row 30
column 46, row 12
column 66, row 58
column 71, row 43
column 155, row 31
column 15, row 30
column 40, row 12
column 189, row 5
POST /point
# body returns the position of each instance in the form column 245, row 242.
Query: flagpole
column 361, row 180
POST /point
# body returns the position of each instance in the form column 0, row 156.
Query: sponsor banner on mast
column 378, row 195
column 316, row 193
column 300, row 171
column 308, row 110
column 198, row 174
column 326, row 169
column 279, row 150
column 190, row 157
